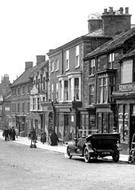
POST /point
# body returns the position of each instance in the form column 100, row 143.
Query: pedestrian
column 6, row 134
column 43, row 137
column 54, row 139
column 33, row 138
column 13, row 134
column 17, row 132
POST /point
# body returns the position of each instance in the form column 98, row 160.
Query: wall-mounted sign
column 127, row 87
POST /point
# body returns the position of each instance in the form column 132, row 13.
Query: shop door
column 132, row 128
column 66, row 127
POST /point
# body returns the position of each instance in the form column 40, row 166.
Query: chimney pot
column 126, row 10
column 111, row 10
column 121, row 10
column 105, row 11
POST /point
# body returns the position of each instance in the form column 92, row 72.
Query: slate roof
column 26, row 75
column 117, row 41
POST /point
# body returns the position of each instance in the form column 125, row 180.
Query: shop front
column 104, row 119
column 125, row 101
column 87, row 121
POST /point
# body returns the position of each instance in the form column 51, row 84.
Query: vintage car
column 95, row 146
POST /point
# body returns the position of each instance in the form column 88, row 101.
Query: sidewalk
column 59, row 148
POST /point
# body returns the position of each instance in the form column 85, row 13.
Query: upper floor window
column 18, row 107
column 77, row 57
column 52, row 91
column 57, row 64
column 57, row 91
column 23, row 90
column 127, row 72
column 76, row 88
column 66, row 90
column 52, row 66
column 102, row 62
column 111, row 60
column 91, row 94
column 67, row 60
column 34, row 103
column 102, row 90
column 23, row 107
column 38, row 103
column 92, row 67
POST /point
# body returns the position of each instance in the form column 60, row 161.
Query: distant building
column 5, row 91
column 39, row 96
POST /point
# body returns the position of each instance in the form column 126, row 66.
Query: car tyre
column 68, row 153
column 86, row 155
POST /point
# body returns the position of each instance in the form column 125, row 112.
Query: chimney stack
column 28, row 65
column 115, row 22
column 40, row 59
column 94, row 22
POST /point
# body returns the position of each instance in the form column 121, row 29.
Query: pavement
column 59, row 148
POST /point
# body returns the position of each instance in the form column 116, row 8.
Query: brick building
column 114, row 81
column 66, row 76
column 4, row 101
column 39, row 96
column 99, row 75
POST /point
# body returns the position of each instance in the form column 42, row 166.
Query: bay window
column 103, row 90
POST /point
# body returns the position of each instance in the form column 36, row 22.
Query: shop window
column 103, row 122
column 123, row 122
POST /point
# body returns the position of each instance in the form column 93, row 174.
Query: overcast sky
column 32, row 27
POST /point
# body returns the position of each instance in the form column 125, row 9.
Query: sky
column 32, row 27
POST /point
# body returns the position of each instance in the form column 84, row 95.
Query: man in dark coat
column 6, row 134
column 54, row 138
column 13, row 134
column 33, row 138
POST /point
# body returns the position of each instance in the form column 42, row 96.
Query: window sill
column 76, row 67
column 92, row 75
column 67, row 69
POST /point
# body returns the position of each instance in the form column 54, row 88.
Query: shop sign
column 127, row 87
column 64, row 110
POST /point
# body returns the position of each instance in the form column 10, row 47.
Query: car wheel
column 116, row 157
column 86, row 155
column 68, row 153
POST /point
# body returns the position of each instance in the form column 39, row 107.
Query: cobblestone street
column 23, row 168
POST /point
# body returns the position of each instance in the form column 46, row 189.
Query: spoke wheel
column 68, row 153
column 86, row 155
